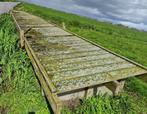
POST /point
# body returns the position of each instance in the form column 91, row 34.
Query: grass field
column 19, row 90
column 25, row 94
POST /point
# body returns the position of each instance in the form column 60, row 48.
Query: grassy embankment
column 19, row 90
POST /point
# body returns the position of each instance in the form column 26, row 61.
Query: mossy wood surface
column 69, row 61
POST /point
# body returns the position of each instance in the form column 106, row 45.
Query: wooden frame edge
column 52, row 97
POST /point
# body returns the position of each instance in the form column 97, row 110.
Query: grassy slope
column 130, row 43
column 19, row 90
column 104, row 34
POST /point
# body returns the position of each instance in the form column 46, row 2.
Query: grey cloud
column 140, row 26
column 129, row 10
column 133, row 11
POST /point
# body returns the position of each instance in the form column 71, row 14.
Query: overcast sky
column 131, row 13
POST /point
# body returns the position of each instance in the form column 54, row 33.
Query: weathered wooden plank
column 72, row 43
column 81, row 65
column 30, row 22
column 78, row 59
column 95, row 79
column 128, row 73
column 71, row 55
column 60, row 50
column 52, row 31
column 57, row 41
column 35, row 26
column 63, row 75
column 66, row 45
column 55, row 65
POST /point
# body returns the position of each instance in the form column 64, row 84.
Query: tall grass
column 7, row 44
column 104, row 104
column 133, row 84
column 19, row 90
column 14, row 61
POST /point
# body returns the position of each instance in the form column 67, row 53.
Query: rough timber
column 69, row 66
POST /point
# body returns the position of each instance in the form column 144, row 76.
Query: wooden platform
column 68, row 65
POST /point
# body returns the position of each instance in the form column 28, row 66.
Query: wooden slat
column 72, row 55
column 78, row 59
column 35, row 26
column 57, row 42
column 81, row 65
column 64, row 46
column 62, row 50
column 95, row 79
column 63, row 75
column 54, row 31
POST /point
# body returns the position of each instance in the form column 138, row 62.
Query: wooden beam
column 21, row 32
column 116, row 86
column 63, row 25
column 22, row 41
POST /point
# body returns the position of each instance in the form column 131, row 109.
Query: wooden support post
column 22, row 44
column 63, row 25
column 42, row 92
column 116, row 86
column 86, row 93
